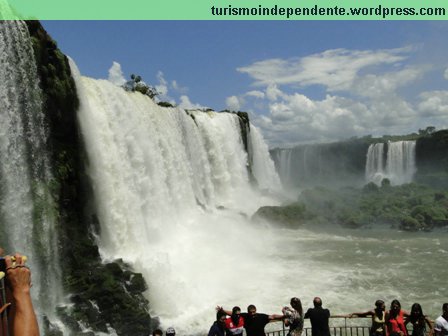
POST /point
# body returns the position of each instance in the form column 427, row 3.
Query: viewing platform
column 340, row 325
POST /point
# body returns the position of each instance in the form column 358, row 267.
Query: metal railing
column 343, row 329
column 346, row 328
column 334, row 331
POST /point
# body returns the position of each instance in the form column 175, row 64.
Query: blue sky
column 301, row 81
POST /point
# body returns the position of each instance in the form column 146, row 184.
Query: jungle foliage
column 410, row 207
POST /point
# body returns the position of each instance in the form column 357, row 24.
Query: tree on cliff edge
column 136, row 84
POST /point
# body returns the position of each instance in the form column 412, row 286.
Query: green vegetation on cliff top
column 410, row 207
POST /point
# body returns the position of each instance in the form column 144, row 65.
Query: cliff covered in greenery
column 343, row 163
column 432, row 159
column 101, row 295
column 409, row 207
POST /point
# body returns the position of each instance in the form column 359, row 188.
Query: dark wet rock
column 102, row 295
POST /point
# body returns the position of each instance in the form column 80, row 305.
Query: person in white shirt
column 441, row 323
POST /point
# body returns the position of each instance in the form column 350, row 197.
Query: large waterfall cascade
column 27, row 209
column 174, row 195
column 396, row 161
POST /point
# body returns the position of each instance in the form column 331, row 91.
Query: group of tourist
column 17, row 317
column 232, row 323
column 393, row 322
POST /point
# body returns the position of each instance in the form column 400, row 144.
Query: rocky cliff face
column 432, row 159
column 344, row 163
column 102, row 296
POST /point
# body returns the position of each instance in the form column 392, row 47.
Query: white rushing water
column 263, row 167
column 375, row 163
column 26, row 205
column 284, row 165
column 399, row 165
column 173, row 196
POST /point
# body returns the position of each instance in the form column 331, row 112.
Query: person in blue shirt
column 219, row 326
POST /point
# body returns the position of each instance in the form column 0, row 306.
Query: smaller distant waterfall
column 375, row 163
column 263, row 168
column 400, row 164
column 283, row 159
column 395, row 161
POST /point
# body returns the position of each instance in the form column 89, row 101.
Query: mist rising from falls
column 283, row 159
column 395, row 161
column 263, row 167
column 333, row 165
column 173, row 196
column 27, row 209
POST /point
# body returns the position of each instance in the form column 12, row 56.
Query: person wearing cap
column 170, row 331
column 319, row 318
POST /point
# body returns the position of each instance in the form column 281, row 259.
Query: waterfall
column 27, row 209
column 282, row 159
column 399, row 166
column 263, row 166
column 173, row 195
column 375, row 163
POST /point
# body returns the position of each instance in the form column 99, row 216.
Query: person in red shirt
column 395, row 320
column 254, row 322
column 235, row 323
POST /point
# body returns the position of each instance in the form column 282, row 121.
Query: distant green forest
column 410, row 207
column 419, row 206
column 412, row 136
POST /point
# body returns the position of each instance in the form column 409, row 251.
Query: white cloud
column 175, row 85
column 335, row 69
column 185, row 103
column 162, row 87
column 256, row 94
column 234, row 103
column 378, row 85
column 361, row 92
column 294, row 118
column 168, row 88
column 273, row 92
column 116, row 74
column 434, row 103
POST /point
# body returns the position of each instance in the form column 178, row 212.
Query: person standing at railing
column 219, row 326
column 441, row 324
column 294, row 317
column 235, row 323
column 418, row 321
column 319, row 318
column 378, row 315
column 395, row 320
column 254, row 322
